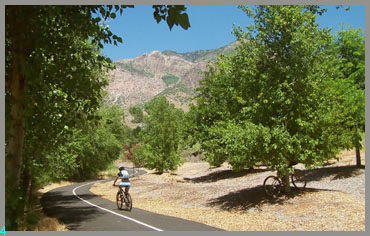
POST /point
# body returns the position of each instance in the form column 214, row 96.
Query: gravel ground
column 341, row 175
column 334, row 198
column 354, row 185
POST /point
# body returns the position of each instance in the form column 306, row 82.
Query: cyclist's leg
column 127, row 188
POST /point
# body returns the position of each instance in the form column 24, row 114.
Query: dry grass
column 236, row 201
column 49, row 224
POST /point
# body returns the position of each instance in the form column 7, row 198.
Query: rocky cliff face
column 174, row 75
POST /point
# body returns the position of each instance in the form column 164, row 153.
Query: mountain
column 168, row 73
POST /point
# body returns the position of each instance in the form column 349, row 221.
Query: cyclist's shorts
column 125, row 184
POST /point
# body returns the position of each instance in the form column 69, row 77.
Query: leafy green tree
column 270, row 101
column 51, row 70
column 139, row 155
column 54, row 75
column 114, row 118
column 349, row 46
column 160, row 136
column 137, row 113
column 90, row 147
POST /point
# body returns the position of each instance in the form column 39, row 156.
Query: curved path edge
column 80, row 210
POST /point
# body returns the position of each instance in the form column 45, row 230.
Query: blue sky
column 211, row 27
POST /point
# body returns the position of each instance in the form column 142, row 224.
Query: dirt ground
column 334, row 199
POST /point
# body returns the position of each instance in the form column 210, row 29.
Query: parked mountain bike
column 124, row 200
column 273, row 185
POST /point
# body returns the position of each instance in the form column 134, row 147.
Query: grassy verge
column 46, row 223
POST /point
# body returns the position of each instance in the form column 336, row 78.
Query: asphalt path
column 81, row 210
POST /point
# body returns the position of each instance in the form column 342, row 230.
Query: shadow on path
column 57, row 197
column 68, row 209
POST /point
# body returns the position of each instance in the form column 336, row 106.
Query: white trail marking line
column 101, row 208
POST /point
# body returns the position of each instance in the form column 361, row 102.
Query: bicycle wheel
column 128, row 201
column 119, row 200
column 272, row 186
column 298, row 180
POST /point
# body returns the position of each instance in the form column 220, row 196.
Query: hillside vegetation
column 203, row 55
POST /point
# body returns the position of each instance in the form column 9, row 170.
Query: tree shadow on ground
column 223, row 174
column 255, row 197
column 161, row 173
column 68, row 209
column 335, row 172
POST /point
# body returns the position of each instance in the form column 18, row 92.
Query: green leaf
column 170, row 21
column 157, row 17
column 184, row 21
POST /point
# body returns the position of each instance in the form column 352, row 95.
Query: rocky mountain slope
column 168, row 73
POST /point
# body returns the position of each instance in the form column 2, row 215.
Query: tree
column 51, row 69
column 137, row 113
column 349, row 46
column 89, row 147
column 270, row 101
column 160, row 136
column 54, row 75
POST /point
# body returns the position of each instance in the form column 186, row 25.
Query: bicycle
column 273, row 185
column 123, row 199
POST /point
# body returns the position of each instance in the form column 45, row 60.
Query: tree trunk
column 284, row 176
column 17, row 83
column 15, row 88
column 358, row 157
column 286, row 182
column 28, row 186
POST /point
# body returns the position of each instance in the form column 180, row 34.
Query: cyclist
column 124, row 176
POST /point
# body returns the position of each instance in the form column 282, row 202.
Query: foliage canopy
column 160, row 136
column 349, row 47
column 270, row 101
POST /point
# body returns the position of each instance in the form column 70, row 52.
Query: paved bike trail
column 81, row 210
